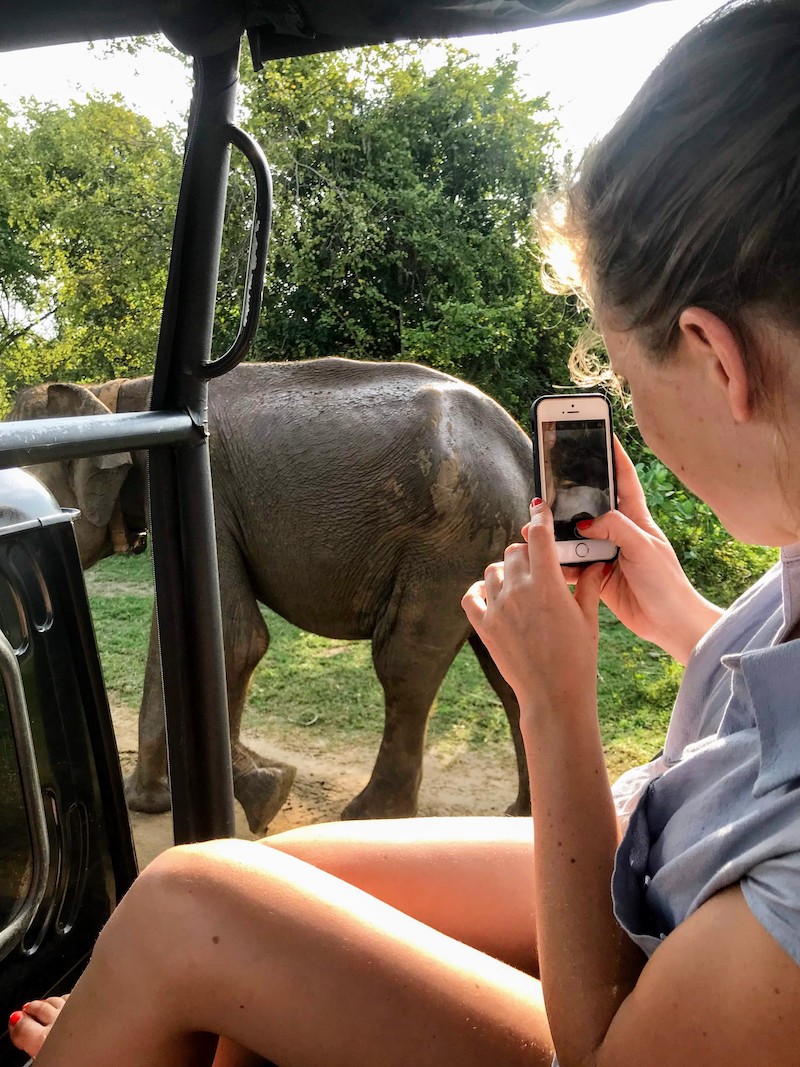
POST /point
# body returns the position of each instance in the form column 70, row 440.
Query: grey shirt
column 722, row 805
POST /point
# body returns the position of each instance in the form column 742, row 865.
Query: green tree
column 87, row 202
column 404, row 195
column 20, row 270
column 402, row 215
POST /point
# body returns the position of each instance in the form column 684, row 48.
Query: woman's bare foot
column 29, row 1028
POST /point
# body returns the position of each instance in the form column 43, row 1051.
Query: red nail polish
column 584, row 524
column 14, row 1019
column 536, row 502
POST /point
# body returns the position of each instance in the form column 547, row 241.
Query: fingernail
column 25, row 1007
column 536, row 502
column 584, row 524
column 14, row 1018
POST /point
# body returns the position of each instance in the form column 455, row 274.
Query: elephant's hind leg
column 522, row 804
column 260, row 787
column 412, row 650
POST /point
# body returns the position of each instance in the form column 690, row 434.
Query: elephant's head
column 93, row 485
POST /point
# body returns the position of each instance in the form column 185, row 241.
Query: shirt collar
column 766, row 689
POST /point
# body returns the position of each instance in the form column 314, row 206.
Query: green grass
column 312, row 683
column 121, row 598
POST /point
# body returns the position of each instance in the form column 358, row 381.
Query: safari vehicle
column 66, row 854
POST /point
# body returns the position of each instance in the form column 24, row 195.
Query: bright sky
column 591, row 69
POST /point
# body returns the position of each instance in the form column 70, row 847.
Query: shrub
column 718, row 566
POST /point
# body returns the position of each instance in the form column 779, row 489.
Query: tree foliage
column 404, row 193
column 403, row 209
column 87, row 201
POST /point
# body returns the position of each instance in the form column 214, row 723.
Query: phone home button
column 581, row 550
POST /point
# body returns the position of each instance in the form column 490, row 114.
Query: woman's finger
column 587, row 589
column 474, row 604
column 515, row 562
column 493, row 578
column 542, row 555
column 571, row 574
column 629, row 489
column 623, row 531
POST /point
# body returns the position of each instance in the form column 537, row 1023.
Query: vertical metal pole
column 181, row 505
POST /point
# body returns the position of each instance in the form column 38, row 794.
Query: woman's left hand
column 541, row 636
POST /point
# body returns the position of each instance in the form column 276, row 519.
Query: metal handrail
column 257, row 257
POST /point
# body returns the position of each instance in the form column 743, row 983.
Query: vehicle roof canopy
column 280, row 28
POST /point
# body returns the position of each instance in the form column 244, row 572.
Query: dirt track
column 471, row 782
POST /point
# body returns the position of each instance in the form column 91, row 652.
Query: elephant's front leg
column 412, row 653
column 147, row 787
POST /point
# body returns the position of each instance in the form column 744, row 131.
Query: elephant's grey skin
column 110, row 493
column 97, row 484
column 359, row 501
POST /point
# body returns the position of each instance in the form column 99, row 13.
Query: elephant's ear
column 62, row 399
column 29, row 403
column 96, row 480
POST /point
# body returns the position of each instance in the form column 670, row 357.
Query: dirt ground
column 468, row 782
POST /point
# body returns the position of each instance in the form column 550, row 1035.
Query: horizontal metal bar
column 43, row 440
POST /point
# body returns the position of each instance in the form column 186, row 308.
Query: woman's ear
column 707, row 338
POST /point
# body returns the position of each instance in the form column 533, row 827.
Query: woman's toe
column 45, row 1011
column 29, row 1028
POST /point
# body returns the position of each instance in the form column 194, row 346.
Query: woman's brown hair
column 693, row 198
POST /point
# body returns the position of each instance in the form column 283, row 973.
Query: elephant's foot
column 262, row 792
column 521, row 806
column 258, row 759
column 381, row 803
column 153, row 798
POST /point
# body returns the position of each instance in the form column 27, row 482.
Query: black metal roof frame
column 281, row 27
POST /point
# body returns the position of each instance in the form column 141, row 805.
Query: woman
column 420, row 943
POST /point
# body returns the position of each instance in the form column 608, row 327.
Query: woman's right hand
column 647, row 589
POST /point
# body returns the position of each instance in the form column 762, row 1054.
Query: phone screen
column 576, row 473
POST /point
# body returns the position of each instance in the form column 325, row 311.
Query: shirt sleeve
column 772, row 892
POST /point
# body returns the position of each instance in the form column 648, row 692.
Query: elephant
column 356, row 499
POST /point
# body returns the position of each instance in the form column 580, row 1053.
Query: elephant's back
column 383, row 407
column 331, row 381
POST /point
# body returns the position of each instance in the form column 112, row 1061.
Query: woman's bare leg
column 230, row 1054
column 471, row 878
column 284, row 959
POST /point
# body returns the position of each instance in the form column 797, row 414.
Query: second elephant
column 358, row 501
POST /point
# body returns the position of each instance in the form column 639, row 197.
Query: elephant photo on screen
column 358, row 501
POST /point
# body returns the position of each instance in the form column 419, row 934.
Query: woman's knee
column 173, row 892
column 185, row 865
column 178, row 897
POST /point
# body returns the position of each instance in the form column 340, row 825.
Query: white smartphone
column 573, row 461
